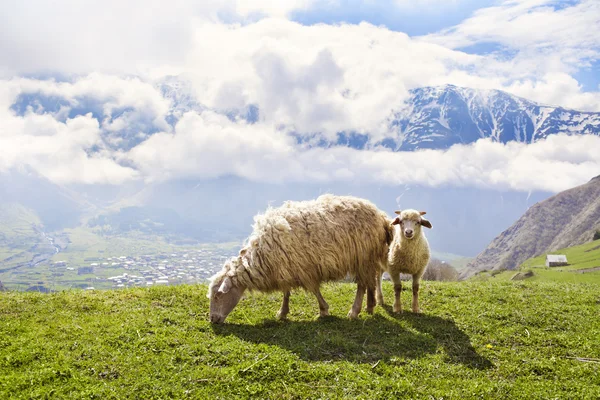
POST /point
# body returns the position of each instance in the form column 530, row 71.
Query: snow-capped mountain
column 431, row 118
column 181, row 96
column 438, row 117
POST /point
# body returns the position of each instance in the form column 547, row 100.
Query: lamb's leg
column 379, row 292
column 323, row 306
column 415, row 300
column 355, row 310
column 397, row 292
column 285, row 306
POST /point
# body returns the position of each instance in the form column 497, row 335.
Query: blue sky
column 420, row 18
column 412, row 18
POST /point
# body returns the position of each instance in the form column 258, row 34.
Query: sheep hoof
column 281, row 316
column 352, row 315
column 380, row 301
column 324, row 314
column 397, row 310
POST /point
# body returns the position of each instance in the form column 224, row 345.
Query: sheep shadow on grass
column 456, row 343
column 407, row 336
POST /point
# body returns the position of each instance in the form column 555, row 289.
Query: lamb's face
column 410, row 222
column 224, row 296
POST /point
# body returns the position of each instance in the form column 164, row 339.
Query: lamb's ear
column 398, row 212
column 422, row 212
column 425, row 223
column 396, row 221
column 225, row 285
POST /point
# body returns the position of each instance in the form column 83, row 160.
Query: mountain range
column 439, row 117
column 222, row 209
column 434, row 117
column 430, row 118
column 567, row 219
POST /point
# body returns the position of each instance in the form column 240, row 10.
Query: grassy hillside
column 475, row 340
column 580, row 257
column 584, row 266
column 18, row 237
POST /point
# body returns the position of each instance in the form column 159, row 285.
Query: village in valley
column 193, row 266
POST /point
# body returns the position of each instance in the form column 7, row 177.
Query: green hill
column 580, row 257
column 584, row 266
column 474, row 340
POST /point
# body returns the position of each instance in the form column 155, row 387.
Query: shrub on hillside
column 440, row 271
column 597, row 235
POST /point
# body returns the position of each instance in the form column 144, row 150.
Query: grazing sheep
column 302, row 244
column 409, row 253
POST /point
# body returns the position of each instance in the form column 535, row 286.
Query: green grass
column 17, row 234
column 17, row 220
column 474, row 340
column 85, row 243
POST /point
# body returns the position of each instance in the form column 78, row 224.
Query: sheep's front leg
column 415, row 286
column 355, row 310
column 379, row 292
column 323, row 306
column 285, row 306
column 397, row 292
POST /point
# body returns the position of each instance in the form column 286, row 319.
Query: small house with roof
column 556, row 260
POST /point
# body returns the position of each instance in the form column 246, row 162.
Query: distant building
column 556, row 260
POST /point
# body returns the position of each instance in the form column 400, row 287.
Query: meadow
column 497, row 340
column 584, row 267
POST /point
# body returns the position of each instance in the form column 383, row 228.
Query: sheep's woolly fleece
column 409, row 256
column 302, row 244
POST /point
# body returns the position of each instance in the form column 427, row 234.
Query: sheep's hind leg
column 415, row 300
column 379, row 292
column 355, row 310
column 285, row 306
column 397, row 292
column 323, row 306
column 370, row 300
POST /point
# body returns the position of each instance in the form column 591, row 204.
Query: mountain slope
column 566, row 219
column 438, row 117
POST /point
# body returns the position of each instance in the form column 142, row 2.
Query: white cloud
column 557, row 89
column 136, row 36
column 280, row 64
column 123, row 101
column 561, row 38
column 318, row 78
column 303, row 79
column 58, row 150
column 209, row 145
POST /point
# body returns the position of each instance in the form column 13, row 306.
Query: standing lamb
column 409, row 254
column 302, row 244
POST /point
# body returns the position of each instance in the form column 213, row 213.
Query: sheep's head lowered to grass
column 224, row 292
column 410, row 222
